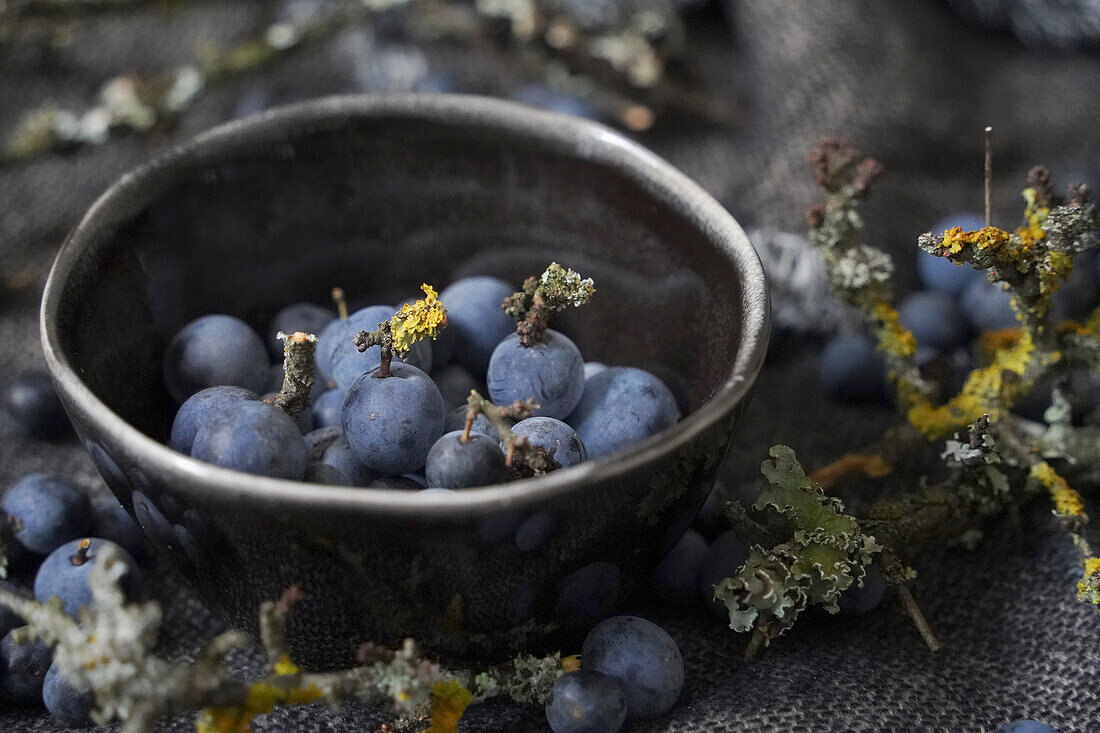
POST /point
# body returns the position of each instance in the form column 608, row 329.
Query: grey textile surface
column 907, row 82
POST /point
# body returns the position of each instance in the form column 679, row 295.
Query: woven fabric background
column 906, row 80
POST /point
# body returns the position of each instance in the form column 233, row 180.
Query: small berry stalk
column 413, row 323
column 519, row 454
column 299, row 373
column 555, row 290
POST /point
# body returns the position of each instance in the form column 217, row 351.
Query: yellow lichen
column 993, row 341
column 986, row 239
column 416, row 321
column 449, row 701
column 988, row 390
column 1067, row 502
column 893, row 338
column 1088, row 588
column 283, row 665
column 571, row 663
column 1034, row 218
column 262, row 698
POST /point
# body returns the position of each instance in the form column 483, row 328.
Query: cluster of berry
column 396, row 426
column 57, row 536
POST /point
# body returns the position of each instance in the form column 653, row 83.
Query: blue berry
column 254, row 437
column 856, row 600
column 621, row 406
column 22, row 669
column 676, row 579
column 328, row 408
column 348, row 363
column 553, row 436
column 340, row 331
column 455, row 383
column 723, row 559
column 934, row 319
column 322, row 473
column 65, row 702
column 33, row 406
column 436, row 82
column 584, row 701
column 112, row 522
column 201, row 407
column 642, row 658
column 588, row 594
column 318, row 440
column 342, row 458
column 986, row 307
column 51, row 510
column 551, row 372
column 850, row 369
column 65, row 572
column 400, row 482
column 457, row 464
column 1026, row 726
column 592, row 368
column 534, row 531
column 456, row 420
column 941, row 274
column 304, row 317
column 213, row 351
column 475, row 316
column 392, row 422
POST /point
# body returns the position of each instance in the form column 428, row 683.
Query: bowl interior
column 271, row 213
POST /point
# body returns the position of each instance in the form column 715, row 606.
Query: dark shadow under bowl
column 378, row 195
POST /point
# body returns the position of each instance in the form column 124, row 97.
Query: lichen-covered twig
column 412, row 323
column 109, row 649
column 298, row 372
column 519, row 454
column 556, row 289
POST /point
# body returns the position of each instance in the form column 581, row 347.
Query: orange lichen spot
column 851, row 464
column 571, row 663
column 449, row 701
column 993, row 341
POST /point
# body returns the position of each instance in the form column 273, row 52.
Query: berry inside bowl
column 378, row 195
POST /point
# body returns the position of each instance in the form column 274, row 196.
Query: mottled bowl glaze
column 379, row 194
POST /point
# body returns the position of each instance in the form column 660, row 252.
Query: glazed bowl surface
column 377, row 195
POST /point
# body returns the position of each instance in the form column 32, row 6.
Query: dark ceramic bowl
column 379, row 194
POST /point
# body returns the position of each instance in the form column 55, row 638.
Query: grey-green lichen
column 824, row 553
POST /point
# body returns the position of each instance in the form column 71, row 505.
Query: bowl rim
column 583, row 139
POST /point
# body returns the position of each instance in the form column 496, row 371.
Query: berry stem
column 554, row 290
column 382, row 337
column 341, row 303
column 81, row 555
column 299, row 372
column 519, row 454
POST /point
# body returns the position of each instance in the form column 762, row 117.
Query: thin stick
column 988, row 176
column 909, row 603
column 759, row 637
column 341, row 303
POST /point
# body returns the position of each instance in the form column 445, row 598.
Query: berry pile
column 632, row 670
column 389, row 397
column 55, row 536
column 956, row 304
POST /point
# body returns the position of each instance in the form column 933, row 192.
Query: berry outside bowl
column 376, row 195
